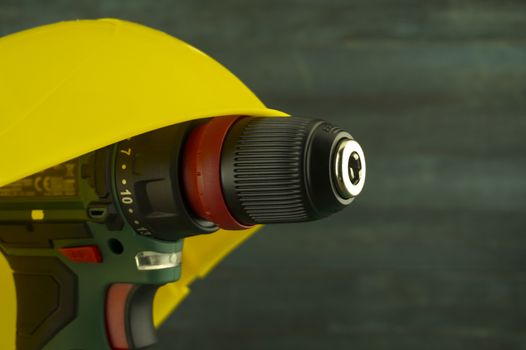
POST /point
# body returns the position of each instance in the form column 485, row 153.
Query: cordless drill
column 90, row 240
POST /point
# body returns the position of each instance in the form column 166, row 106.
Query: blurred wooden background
column 433, row 253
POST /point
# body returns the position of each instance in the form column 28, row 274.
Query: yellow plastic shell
column 72, row 87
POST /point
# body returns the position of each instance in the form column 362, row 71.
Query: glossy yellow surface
column 72, row 87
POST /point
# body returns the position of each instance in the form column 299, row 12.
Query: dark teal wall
column 433, row 254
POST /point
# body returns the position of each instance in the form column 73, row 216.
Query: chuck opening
column 349, row 168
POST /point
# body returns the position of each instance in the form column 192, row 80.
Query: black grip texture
column 263, row 169
column 46, row 292
column 280, row 170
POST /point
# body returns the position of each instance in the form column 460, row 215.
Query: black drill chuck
column 271, row 170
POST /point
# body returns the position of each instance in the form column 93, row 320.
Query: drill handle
column 58, row 309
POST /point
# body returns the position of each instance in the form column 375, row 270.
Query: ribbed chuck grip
column 277, row 170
